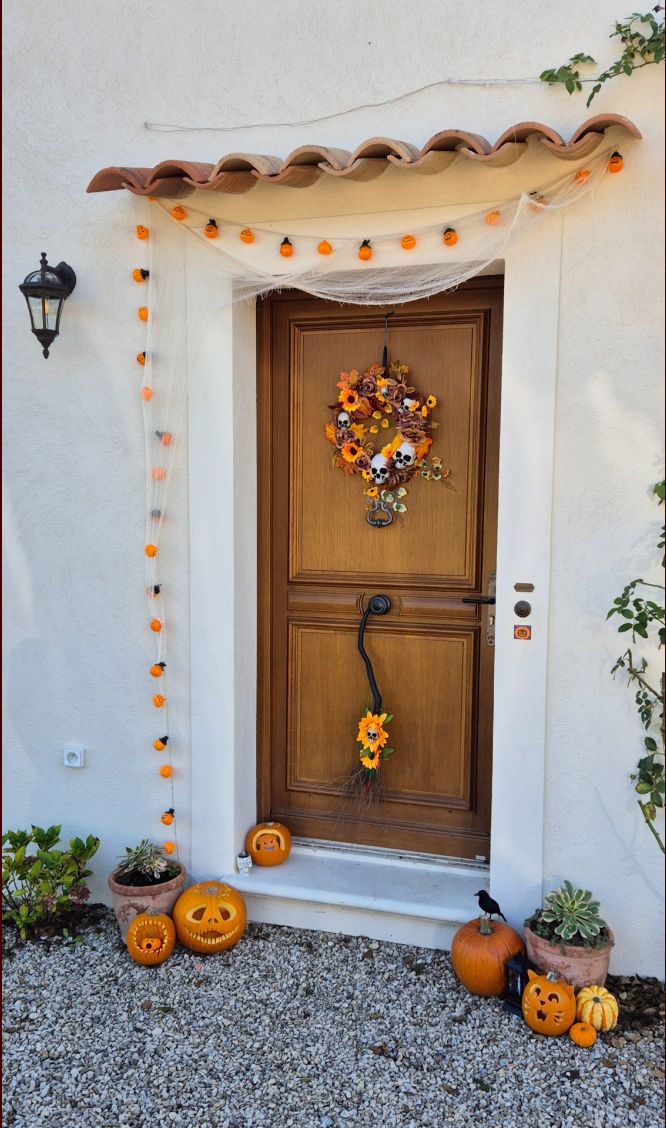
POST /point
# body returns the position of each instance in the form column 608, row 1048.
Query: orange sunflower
column 349, row 399
column 371, row 734
column 372, row 760
column 351, row 451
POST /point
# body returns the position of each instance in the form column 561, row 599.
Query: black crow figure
column 487, row 905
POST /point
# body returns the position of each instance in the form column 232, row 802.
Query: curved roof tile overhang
column 239, row 172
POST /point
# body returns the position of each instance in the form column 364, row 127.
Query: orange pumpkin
column 408, row 242
column 493, row 218
column 210, row 230
column 169, row 847
column 209, row 917
column 365, row 251
column 150, row 939
column 450, row 237
column 142, row 232
column 583, row 1034
column 286, row 248
column 268, row 844
column 146, row 394
column 166, row 771
column 160, row 744
column 167, row 817
column 246, row 235
column 158, row 669
column 178, row 213
column 141, row 358
column 616, row 163
column 324, row 247
column 142, row 313
column 549, row 1005
column 581, row 176
column 156, row 625
column 479, row 952
column 159, row 701
column 140, row 275
column 150, row 550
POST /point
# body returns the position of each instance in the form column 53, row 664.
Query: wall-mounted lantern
column 45, row 292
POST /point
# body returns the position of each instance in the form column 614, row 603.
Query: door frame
column 223, row 576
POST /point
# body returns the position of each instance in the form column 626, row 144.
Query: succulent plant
column 145, row 860
column 572, row 913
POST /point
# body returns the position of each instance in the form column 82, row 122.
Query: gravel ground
column 293, row 1028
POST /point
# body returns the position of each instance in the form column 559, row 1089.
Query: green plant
column 41, row 885
column 642, row 39
column 144, row 864
column 645, row 619
column 569, row 916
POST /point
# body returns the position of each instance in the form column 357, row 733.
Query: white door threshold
column 360, row 891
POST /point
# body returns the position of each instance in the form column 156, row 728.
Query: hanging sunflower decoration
column 372, row 736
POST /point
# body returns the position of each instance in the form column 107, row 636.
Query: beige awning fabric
column 237, row 173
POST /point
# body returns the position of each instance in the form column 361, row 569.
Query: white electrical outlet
column 74, row 755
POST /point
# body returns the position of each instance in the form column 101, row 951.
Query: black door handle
column 479, row 599
column 377, row 605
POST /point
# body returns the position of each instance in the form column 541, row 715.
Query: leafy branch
column 642, row 39
column 645, row 619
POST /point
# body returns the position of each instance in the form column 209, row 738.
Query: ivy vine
column 642, row 39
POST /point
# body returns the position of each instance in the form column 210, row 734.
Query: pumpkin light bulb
column 493, row 218
column 142, row 232
column 159, row 701
column 142, row 313
column 140, row 275
column 581, row 176
column 146, row 394
column 141, row 358
column 324, row 248
column 156, row 625
column 160, row 744
column 158, row 473
column 166, row 771
column 158, row 669
column 449, row 238
column 168, row 847
column 210, row 230
column 150, row 550
column 178, row 213
column 408, row 242
column 365, row 251
column 167, row 817
column 286, row 248
column 616, row 163
column 246, row 235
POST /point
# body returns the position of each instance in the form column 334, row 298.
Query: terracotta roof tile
column 239, row 172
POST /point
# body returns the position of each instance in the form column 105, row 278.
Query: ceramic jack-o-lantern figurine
column 246, row 235
column 178, row 213
column 210, row 230
column 151, row 939
column 209, row 917
column 408, row 242
column 286, row 248
column 449, row 238
column 268, row 844
column 324, row 248
column 142, row 232
column 549, row 1005
column 615, row 163
column 365, row 251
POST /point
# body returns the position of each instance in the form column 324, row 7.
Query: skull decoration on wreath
column 368, row 404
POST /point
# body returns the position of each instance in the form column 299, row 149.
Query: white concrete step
column 361, row 891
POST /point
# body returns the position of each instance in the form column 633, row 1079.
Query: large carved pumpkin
column 479, row 952
column 150, row 939
column 549, row 1005
column 268, row 844
column 209, row 917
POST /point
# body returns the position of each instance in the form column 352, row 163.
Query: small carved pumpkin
column 209, row 917
column 166, row 771
column 268, row 844
column 450, row 237
column 156, row 625
column 146, row 394
column 167, row 817
column 142, row 232
column 210, row 230
column 583, row 1034
column 479, row 952
column 549, row 1005
column 616, row 163
column 597, row 1006
column 168, row 847
column 140, row 275
column 286, row 248
column 493, row 217
column 324, row 247
column 160, row 744
column 582, row 176
column 365, row 251
column 151, row 939
column 159, row 701
column 150, row 550
column 141, row 358
column 142, row 313
column 246, row 235
column 408, row 242
column 178, row 213
column 158, row 669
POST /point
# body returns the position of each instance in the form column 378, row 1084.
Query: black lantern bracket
column 45, row 291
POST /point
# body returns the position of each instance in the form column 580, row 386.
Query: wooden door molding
column 308, row 613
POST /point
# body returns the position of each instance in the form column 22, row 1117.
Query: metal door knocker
column 373, row 517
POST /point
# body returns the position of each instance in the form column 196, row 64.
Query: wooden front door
column 320, row 562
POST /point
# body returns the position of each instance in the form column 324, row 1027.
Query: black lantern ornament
column 45, row 292
column 515, row 978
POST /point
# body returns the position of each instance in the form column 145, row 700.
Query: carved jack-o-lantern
column 209, row 917
column 150, row 939
column 549, row 1005
column 268, row 844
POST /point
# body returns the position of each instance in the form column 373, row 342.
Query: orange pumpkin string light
column 178, row 213
column 408, row 242
column 246, row 235
column 140, row 275
column 167, row 817
column 324, row 248
column 159, row 701
column 160, row 744
column 158, row 669
column 615, row 163
column 150, row 550
column 493, row 217
column 146, row 394
column 158, row 473
column 156, row 590
column 581, row 176
column 286, row 248
column 168, row 847
column 210, row 230
column 166, row 771
column 142, row 313
column 141, row 358
column 450, row 237
column 156, row 625
column 365, row 251
column 142, row 232
column 165, row 437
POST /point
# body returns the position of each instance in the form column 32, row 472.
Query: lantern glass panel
column 52, row 311
column 35, row 307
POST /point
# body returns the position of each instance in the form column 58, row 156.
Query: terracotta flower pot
column 578, row 966
column 130, row 901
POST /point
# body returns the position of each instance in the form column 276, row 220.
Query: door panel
column 319, row 563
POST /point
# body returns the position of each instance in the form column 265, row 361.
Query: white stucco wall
column 76, row 649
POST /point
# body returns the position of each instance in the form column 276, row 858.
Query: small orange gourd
column 150, row 939
column 166, row 771
column 615, row 163
column 493, row 217
column 450, row 237
column 268, row 844
column 141, row 358
column 142, row 313
column 408, row 242
column 142, row 232
column 146, row 394
column 549, row 1004
column 583, row 1034
column 158, row 669
column 156, row 625
column 159, row 700
column 167, row 817
column 210, row 917
column 479, row 952
column 246, row 235
column 365, row 251
column 150, row 550
column 286, row 248
column 178, row 213
column 210, row 230
column 324, row 248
